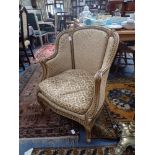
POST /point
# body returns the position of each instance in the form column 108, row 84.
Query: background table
column 126, row 35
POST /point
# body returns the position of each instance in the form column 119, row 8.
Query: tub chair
column 74, row 78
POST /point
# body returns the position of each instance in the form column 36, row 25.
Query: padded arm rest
column 103, row 73
column 101, row 77
column 100, row 84
column 50, row 66
column 61, row 60
column 54, row 65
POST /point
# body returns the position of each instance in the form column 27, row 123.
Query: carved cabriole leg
column 42, row 105
column 90, row 123
column 88, row 134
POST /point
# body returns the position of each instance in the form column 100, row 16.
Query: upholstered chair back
column 32, row 20
column 90, row 50
column 24, row 23
column 62, row 55
column 85, row 48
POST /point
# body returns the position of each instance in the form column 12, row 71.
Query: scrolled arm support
column 45, row 67
column 98, row 79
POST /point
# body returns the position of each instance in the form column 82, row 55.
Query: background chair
column 24, row 40
column 62, row 20
column 46, row 25
column 33, row 21
column 74, row 78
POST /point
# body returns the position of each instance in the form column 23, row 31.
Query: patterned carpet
column 106, row 124
column 43, row 53
column 81, row 151
column 120, row 100
column 34, row 124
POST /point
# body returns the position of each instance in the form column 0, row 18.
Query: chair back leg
column 31, row 51
column 28, row 60
column 21, row 63
column 88, row 134
column 41, row 40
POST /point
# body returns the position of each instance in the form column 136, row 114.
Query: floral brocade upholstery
column 75, row 77
column 72, row 90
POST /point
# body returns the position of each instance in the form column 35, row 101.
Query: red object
column 130, row 6
column 113, row 5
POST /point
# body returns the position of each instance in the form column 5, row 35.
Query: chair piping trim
column 72, row 50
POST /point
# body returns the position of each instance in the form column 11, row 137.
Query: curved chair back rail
column 24, row 24
column 90, row 49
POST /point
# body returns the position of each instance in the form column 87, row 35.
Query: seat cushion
column 72, row 90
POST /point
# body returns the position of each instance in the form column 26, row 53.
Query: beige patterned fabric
column 109, row 55
column 62, row 60
column 72, row 90
column 89, row 49
column 74, row 79
column 107, row 59
column 24, row 18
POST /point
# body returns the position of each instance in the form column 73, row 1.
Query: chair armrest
column 101, row 77
column 54, row 65
column 100, row 84
column 47, row 24
column 46, row 27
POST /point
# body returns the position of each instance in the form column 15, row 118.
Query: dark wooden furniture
column 113, row 5
column 129, row 6
column 34, row 3
column 126, row 35
column 33, row 21
column 64, row 19
column 125, row 53
column 24, row 40
column 124, row 7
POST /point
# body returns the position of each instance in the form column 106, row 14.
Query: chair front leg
column 41, row 40
column 42, row 105
column 21, row 62
column 88, row 134
column 31, row 51
column 28, row 60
